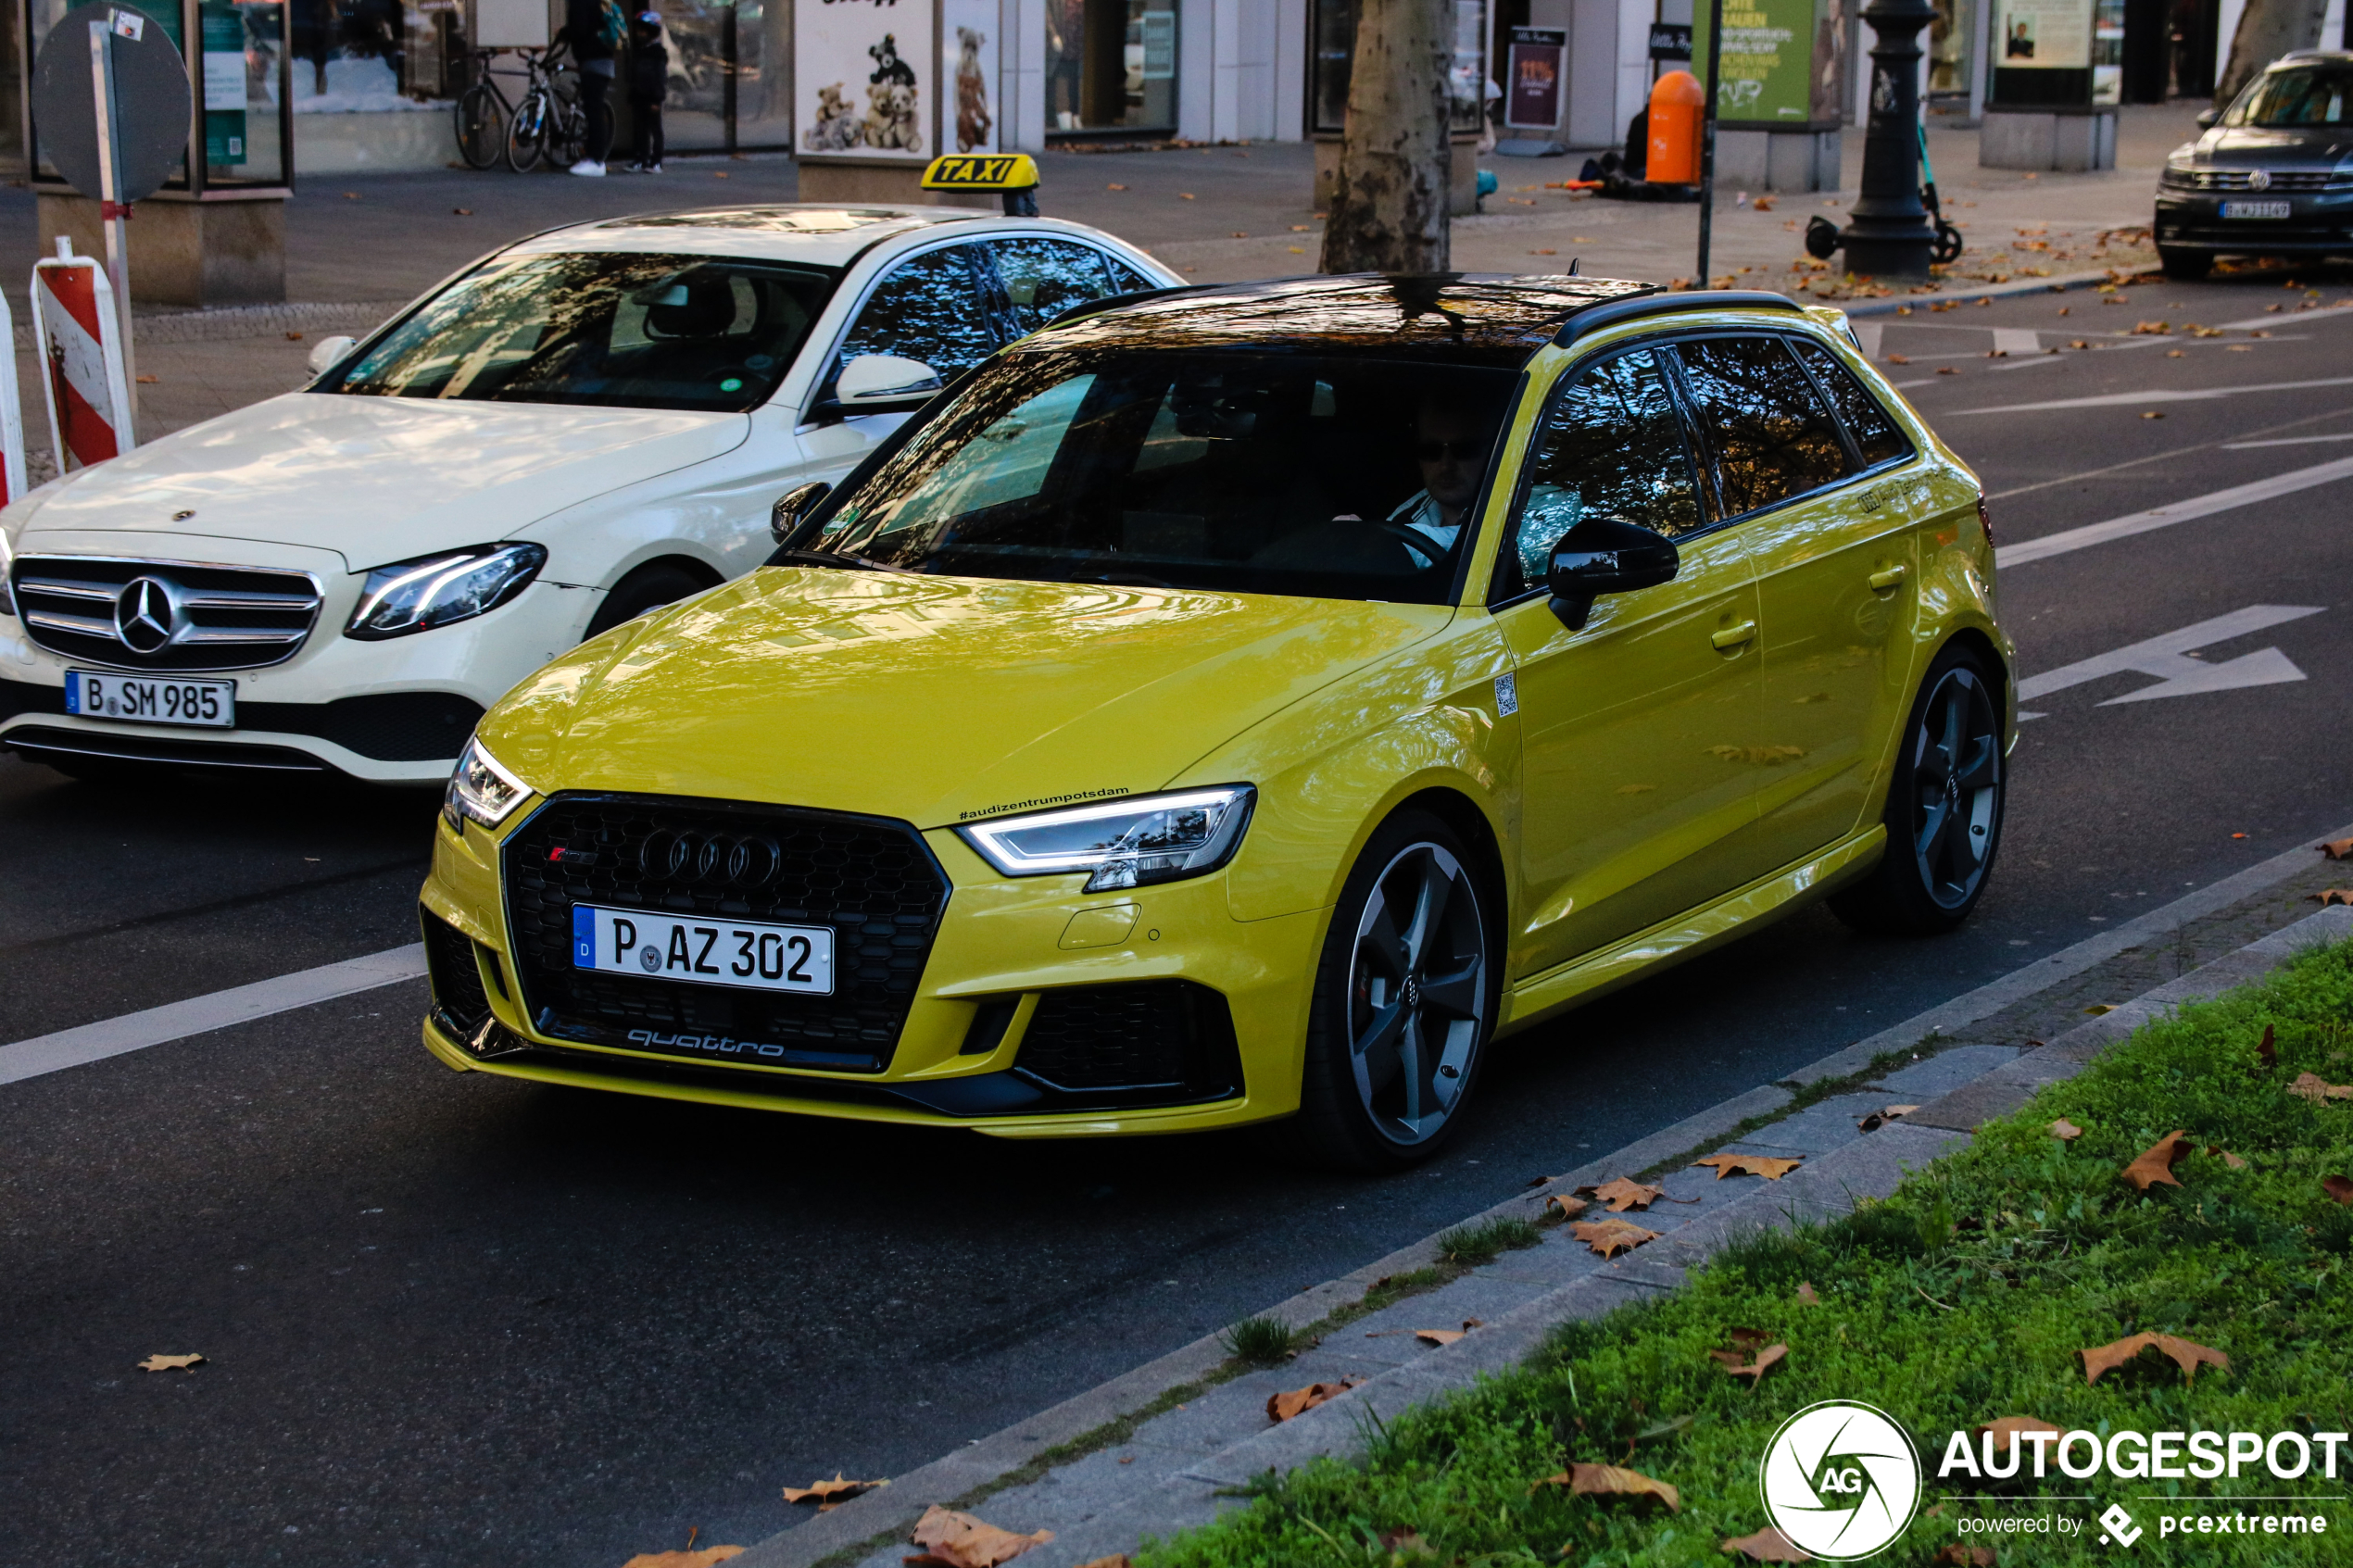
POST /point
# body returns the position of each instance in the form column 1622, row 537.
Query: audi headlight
column 481, row 790
column 413, row 595
column 1127, row 842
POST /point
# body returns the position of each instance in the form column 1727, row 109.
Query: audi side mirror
column 792, row 507
column 2206, row 118
column 329, row 352
column 1606, row 554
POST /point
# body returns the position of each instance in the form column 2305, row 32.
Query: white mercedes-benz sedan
column 573, row 430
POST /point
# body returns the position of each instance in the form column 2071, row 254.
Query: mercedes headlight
column 413, row 595
column 481, row 791
column 1130, row 842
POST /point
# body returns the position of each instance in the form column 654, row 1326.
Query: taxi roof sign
column 981, row 171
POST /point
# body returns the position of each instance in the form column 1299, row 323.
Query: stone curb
column 992, row 1458
column 2060, row 284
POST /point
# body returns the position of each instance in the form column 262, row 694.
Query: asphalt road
column 456, row 1321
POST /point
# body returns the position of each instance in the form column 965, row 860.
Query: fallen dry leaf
column 702, row 1558
column 1570, row 1206
column 957, row 1540
column 2185, row 1355
column 1767, row 1545
column 2013, row 1426
column 1806, row 1295
column 1749, row 1164
column 1962, row 1554
column 2312, row 1087
column 834, row 1490
column 1614, row 1480
column 1405, row 1543
column 1946, row 371
column 2338, row 1188
column 1114, row 187
column 462, row 211
column 2096, row 1009
column 2324, row 898
column 1624, row 1194
column 1610, row 1237
column 1897, row 359
column 1295, row 1401
column 2156, row 1165
column 2338, row 848
column 2267, row 1051
column 1880, row 1117
column 1438, row 1335
column 146, row 381
column 1763, row 204
column 1739, row 1365
column 2153, row 414
column 170, row 1364
column 2066, row 1131
column 2232, row 1161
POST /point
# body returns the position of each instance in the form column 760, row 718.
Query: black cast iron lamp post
column 1889, row 233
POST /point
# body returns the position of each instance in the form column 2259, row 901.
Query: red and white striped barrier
column 80, row 350
column 13, row 484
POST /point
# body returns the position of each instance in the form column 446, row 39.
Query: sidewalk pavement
column 1184, row 1466
column 367, row 242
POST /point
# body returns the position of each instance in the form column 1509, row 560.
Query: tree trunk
column 1389, row 204
column 2267, row 29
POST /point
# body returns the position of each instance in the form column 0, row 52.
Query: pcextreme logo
column 1840, row 1480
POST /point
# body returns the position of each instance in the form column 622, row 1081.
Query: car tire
column 1944, row 807
column 649, row 587
column 2184, row 266
column 1401, row 1018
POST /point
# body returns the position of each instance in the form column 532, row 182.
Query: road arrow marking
column 2169, row 657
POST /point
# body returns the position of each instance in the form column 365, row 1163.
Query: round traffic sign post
column 151, row 104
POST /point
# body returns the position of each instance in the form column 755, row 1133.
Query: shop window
column 1111, row 65
column 1333, row 35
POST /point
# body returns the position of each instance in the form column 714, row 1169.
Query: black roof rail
column 1611, row 312
column 1113, row 301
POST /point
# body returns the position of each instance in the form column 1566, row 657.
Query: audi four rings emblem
column 743, row 863
column 145, row 619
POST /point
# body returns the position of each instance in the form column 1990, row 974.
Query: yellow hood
column 926, row 699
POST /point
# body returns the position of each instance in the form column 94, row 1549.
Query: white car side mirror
column 875, row 380
column 329, row 352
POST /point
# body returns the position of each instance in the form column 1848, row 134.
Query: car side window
column 1044, row 277
column 1771, row 436
column 926, row 309
column 1877, row 435
column 1610, row 445
column 1126, row 279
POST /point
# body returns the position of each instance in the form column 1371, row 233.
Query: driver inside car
column 1451, row 445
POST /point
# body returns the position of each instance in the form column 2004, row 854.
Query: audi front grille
column 872, row 880
column 164, row 615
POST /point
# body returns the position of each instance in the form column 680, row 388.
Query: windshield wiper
column 839, row 560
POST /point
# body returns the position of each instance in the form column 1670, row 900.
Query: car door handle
column 1733, row 636
column 1888, row 579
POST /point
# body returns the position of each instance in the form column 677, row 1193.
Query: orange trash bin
column 1677, row 105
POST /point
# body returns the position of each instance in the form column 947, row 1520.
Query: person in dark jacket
column 592, row 32
column 648, row 85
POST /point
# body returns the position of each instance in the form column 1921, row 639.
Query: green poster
column 1767, row 70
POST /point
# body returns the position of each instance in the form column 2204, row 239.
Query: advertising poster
column 968, row 46
column 2045, row 35
column 866, row 79
column 1533, row 89
column 1766, row 72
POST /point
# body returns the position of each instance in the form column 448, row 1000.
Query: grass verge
column 1961, row 1298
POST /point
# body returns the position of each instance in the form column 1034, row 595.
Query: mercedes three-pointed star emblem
column 145, row 616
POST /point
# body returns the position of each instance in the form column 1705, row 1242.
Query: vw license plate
column 2258, row 209
column 152, row 699
column 703, row 952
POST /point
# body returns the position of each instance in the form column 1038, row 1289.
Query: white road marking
column 2283, row 441
column 2017, row 340
column 2134, row 399
column 240, row 1004
column 2238, row 495
column 2257, row 323
column 2180, row 676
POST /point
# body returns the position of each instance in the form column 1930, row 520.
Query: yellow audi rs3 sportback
column 1235, row 704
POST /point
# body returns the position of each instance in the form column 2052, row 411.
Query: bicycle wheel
column 567, row 133
column 480, row 134
column 526, row 131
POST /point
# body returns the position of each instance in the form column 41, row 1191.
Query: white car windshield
column 607, row 328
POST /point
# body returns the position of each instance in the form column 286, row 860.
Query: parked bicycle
column 550, row 122
column 482, row 113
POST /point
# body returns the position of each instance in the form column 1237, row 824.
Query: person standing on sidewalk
column 648, row 85
column 593, row 29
